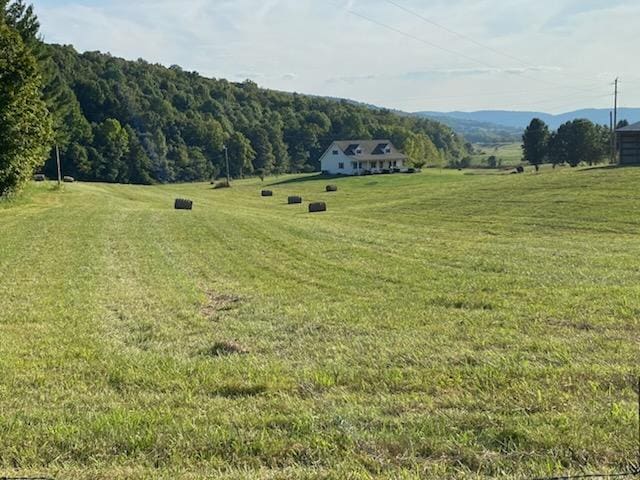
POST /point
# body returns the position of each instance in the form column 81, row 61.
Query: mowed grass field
column 438, row 325
column 509, row 153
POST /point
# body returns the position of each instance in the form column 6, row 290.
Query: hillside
column 477, row 131
column 520, row 120
column 134, row 122
column 439, row 325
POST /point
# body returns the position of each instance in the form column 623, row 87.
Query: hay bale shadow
column 222, row 349
column 237, row 390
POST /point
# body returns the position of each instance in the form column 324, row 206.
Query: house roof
column 370, row 149
column 635, row 127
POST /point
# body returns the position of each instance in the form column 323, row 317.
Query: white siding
column 330, row 162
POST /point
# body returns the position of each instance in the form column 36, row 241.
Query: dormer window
column 335, row 152
column 387, row 150
column 359, row 151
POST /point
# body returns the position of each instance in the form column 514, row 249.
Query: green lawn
column 509, row 153
column 439, row 325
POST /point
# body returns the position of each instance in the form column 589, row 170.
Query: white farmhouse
column 358, row 157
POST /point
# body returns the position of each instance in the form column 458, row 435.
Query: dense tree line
column 135, row 122
column 574, row 142
column 25, row 124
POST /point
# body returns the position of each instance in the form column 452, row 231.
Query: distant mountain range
column 478, row 131
column 501, row 119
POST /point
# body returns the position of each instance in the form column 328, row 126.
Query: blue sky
column 548, row 55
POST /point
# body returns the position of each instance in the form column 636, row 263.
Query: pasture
column 438, row 325
column 510, row 154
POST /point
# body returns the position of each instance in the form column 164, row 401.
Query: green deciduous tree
column 112, row 146
column 579, row 141
column 25, row 125
column 180, row 119
column 535, row 142
column 241, row 155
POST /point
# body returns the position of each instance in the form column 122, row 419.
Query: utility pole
column 612, row 158
column 615, row 122
column 226, row 154
column 58, row 164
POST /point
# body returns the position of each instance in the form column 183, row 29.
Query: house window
column 395, row 164
column 360, row 165
column 359, row 151
column 388, row 150
column 335, row 152
column 341, row 166
column 354, row 165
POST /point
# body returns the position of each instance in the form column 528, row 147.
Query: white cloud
column 559, row 51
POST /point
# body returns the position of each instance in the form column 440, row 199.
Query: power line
column 475, row 42
column 444, row 49
column 457, row 34
column 422, row 40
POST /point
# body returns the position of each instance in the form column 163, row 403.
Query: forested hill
column 135, row 122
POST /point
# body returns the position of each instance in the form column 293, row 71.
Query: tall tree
column 20, row 16
column 112, row 143
column 241, row 155
column 265, row 158
column 579, row 141
column 25, row 125
column 535, row 142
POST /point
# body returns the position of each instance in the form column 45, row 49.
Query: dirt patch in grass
column 575, row 325
column 219, row 302
column 236, row 390
column 221, row 349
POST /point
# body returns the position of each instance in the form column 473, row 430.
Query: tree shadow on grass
column 607, row 167
column 306, row 178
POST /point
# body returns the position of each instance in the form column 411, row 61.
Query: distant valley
column 503, row 120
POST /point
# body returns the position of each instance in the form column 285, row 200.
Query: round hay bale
column 222, row 184
column 39, row 177
column 183, row 204
column 267, row 193
column 332, row 188
column 68, row 179
column 317, row 207
column 294, row 200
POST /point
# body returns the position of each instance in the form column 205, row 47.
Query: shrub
column 308, row 168
column 67, row 179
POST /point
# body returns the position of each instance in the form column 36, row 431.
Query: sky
column 413, row 55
